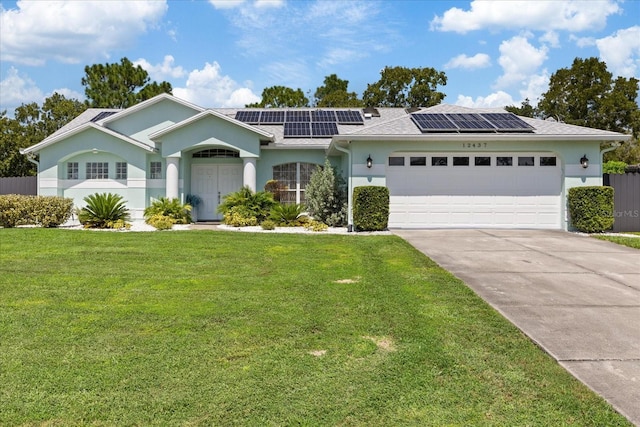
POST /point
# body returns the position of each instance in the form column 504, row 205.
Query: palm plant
column 286, row 214
column 249, row 203
column 103, row 210
column 171, row 208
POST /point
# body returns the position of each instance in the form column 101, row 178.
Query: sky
column 223, row 53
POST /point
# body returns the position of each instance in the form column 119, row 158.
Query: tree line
column 585, row 94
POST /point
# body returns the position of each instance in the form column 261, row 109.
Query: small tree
column 326, row 196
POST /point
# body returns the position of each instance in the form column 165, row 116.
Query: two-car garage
column 474, row 189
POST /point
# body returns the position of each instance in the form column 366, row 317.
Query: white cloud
column 621, row 52
column 163, row 71
column 519, row 60
column 17, row 89
column 479, row 60
column 569, row 15
column 551, row 38
column 73, row 31
column 497, row 99
column 209, row 88
column 68, row 93
column 583, row 41
column 231, row 4
column 535, row 86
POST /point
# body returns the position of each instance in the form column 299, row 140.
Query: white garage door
column 497, row 190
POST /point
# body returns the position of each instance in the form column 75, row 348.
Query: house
column 445, row 166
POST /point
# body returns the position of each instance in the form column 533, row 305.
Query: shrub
column 316, row 226
column 171, row 208
column 326, row 196
column 286, row 215
column 161, row 222
column 249, row 204
column 267, row 224
column 591, row 208
column 45, row 211
column 103, row 210
column 239, row 216
column 614, row 167
column 370, row 208
column 274, row 187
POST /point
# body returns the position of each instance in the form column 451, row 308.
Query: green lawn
column 214, row 328
column 632, row 242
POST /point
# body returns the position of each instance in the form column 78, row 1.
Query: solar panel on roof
column 250, row 117
column 297, row 129
column 272, row 117
column 103, row 115
column 320, row 129
column 349, row 117
column 470, row 122
column 507, row 122
column 323, row 116
column 297, row 116
column 433, row 122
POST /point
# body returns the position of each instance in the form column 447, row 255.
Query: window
column 156, row 170
column 219, row 153
column 547, row 161
column 97, row 170
column 293, row 177
column 460, row 161
column 121, row 170
column 525, row 161
column 483, row 161
column 396, row 161
column 504, row 161
column 438, row 161
column 418, row 161
column 72, row 170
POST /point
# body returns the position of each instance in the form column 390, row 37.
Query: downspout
column 606, row 150
column 32, row 160
column 349, row 188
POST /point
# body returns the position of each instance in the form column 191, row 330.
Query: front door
column 211, row 183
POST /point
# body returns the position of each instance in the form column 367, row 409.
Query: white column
column 249, row 172
column 172, row 177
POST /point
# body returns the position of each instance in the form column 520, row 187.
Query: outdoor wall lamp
column 584, row 162
column 369, row 161
column 94, row 151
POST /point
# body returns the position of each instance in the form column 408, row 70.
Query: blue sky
column 223, row 53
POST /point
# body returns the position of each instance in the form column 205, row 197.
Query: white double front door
column 211, row 182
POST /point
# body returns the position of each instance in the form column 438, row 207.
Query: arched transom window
column 216, row 153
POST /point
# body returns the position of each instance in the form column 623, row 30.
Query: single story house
column 445, row 166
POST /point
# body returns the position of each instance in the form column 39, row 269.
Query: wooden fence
column 626, row 200
column 27, row 185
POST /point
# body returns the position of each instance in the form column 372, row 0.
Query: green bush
column 314, row 225
column 326, row 196
column 614, row 167
column 286, row 215
column 171, row 208
column 370, row 208
column 267, row 224
column 160, row 222
column 274, row 187
column 103, row 210
column 239, row 216
column 45, row 211
column 247, row 204
column 591, row 208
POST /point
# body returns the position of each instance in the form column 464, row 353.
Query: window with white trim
column 72, row 170
column 97, row 170
column 293, row 178
column 121, row 170
column 155, row 171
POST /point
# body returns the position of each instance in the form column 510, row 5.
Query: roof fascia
column 159, row 134
column 480, row 137
column 50, row 141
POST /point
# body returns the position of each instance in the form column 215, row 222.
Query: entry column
column 249, row 172
column 172, row 185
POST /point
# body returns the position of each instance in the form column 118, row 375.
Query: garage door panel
column 468, row 196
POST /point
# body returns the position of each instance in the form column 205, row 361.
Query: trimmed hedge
column 45, row 211
column 591, row 208
column 370, row 208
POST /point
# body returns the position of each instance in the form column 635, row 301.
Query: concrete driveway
column 575, row 296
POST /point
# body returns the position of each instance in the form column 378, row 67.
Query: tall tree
column 12, row 163
column 586, row 95
column 281, row 96
column 525, row 109
column 334, row 93
column 406, row 87
column 119, row 85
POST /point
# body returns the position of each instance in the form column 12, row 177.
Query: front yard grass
column 632, row 242
column 223, row 328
